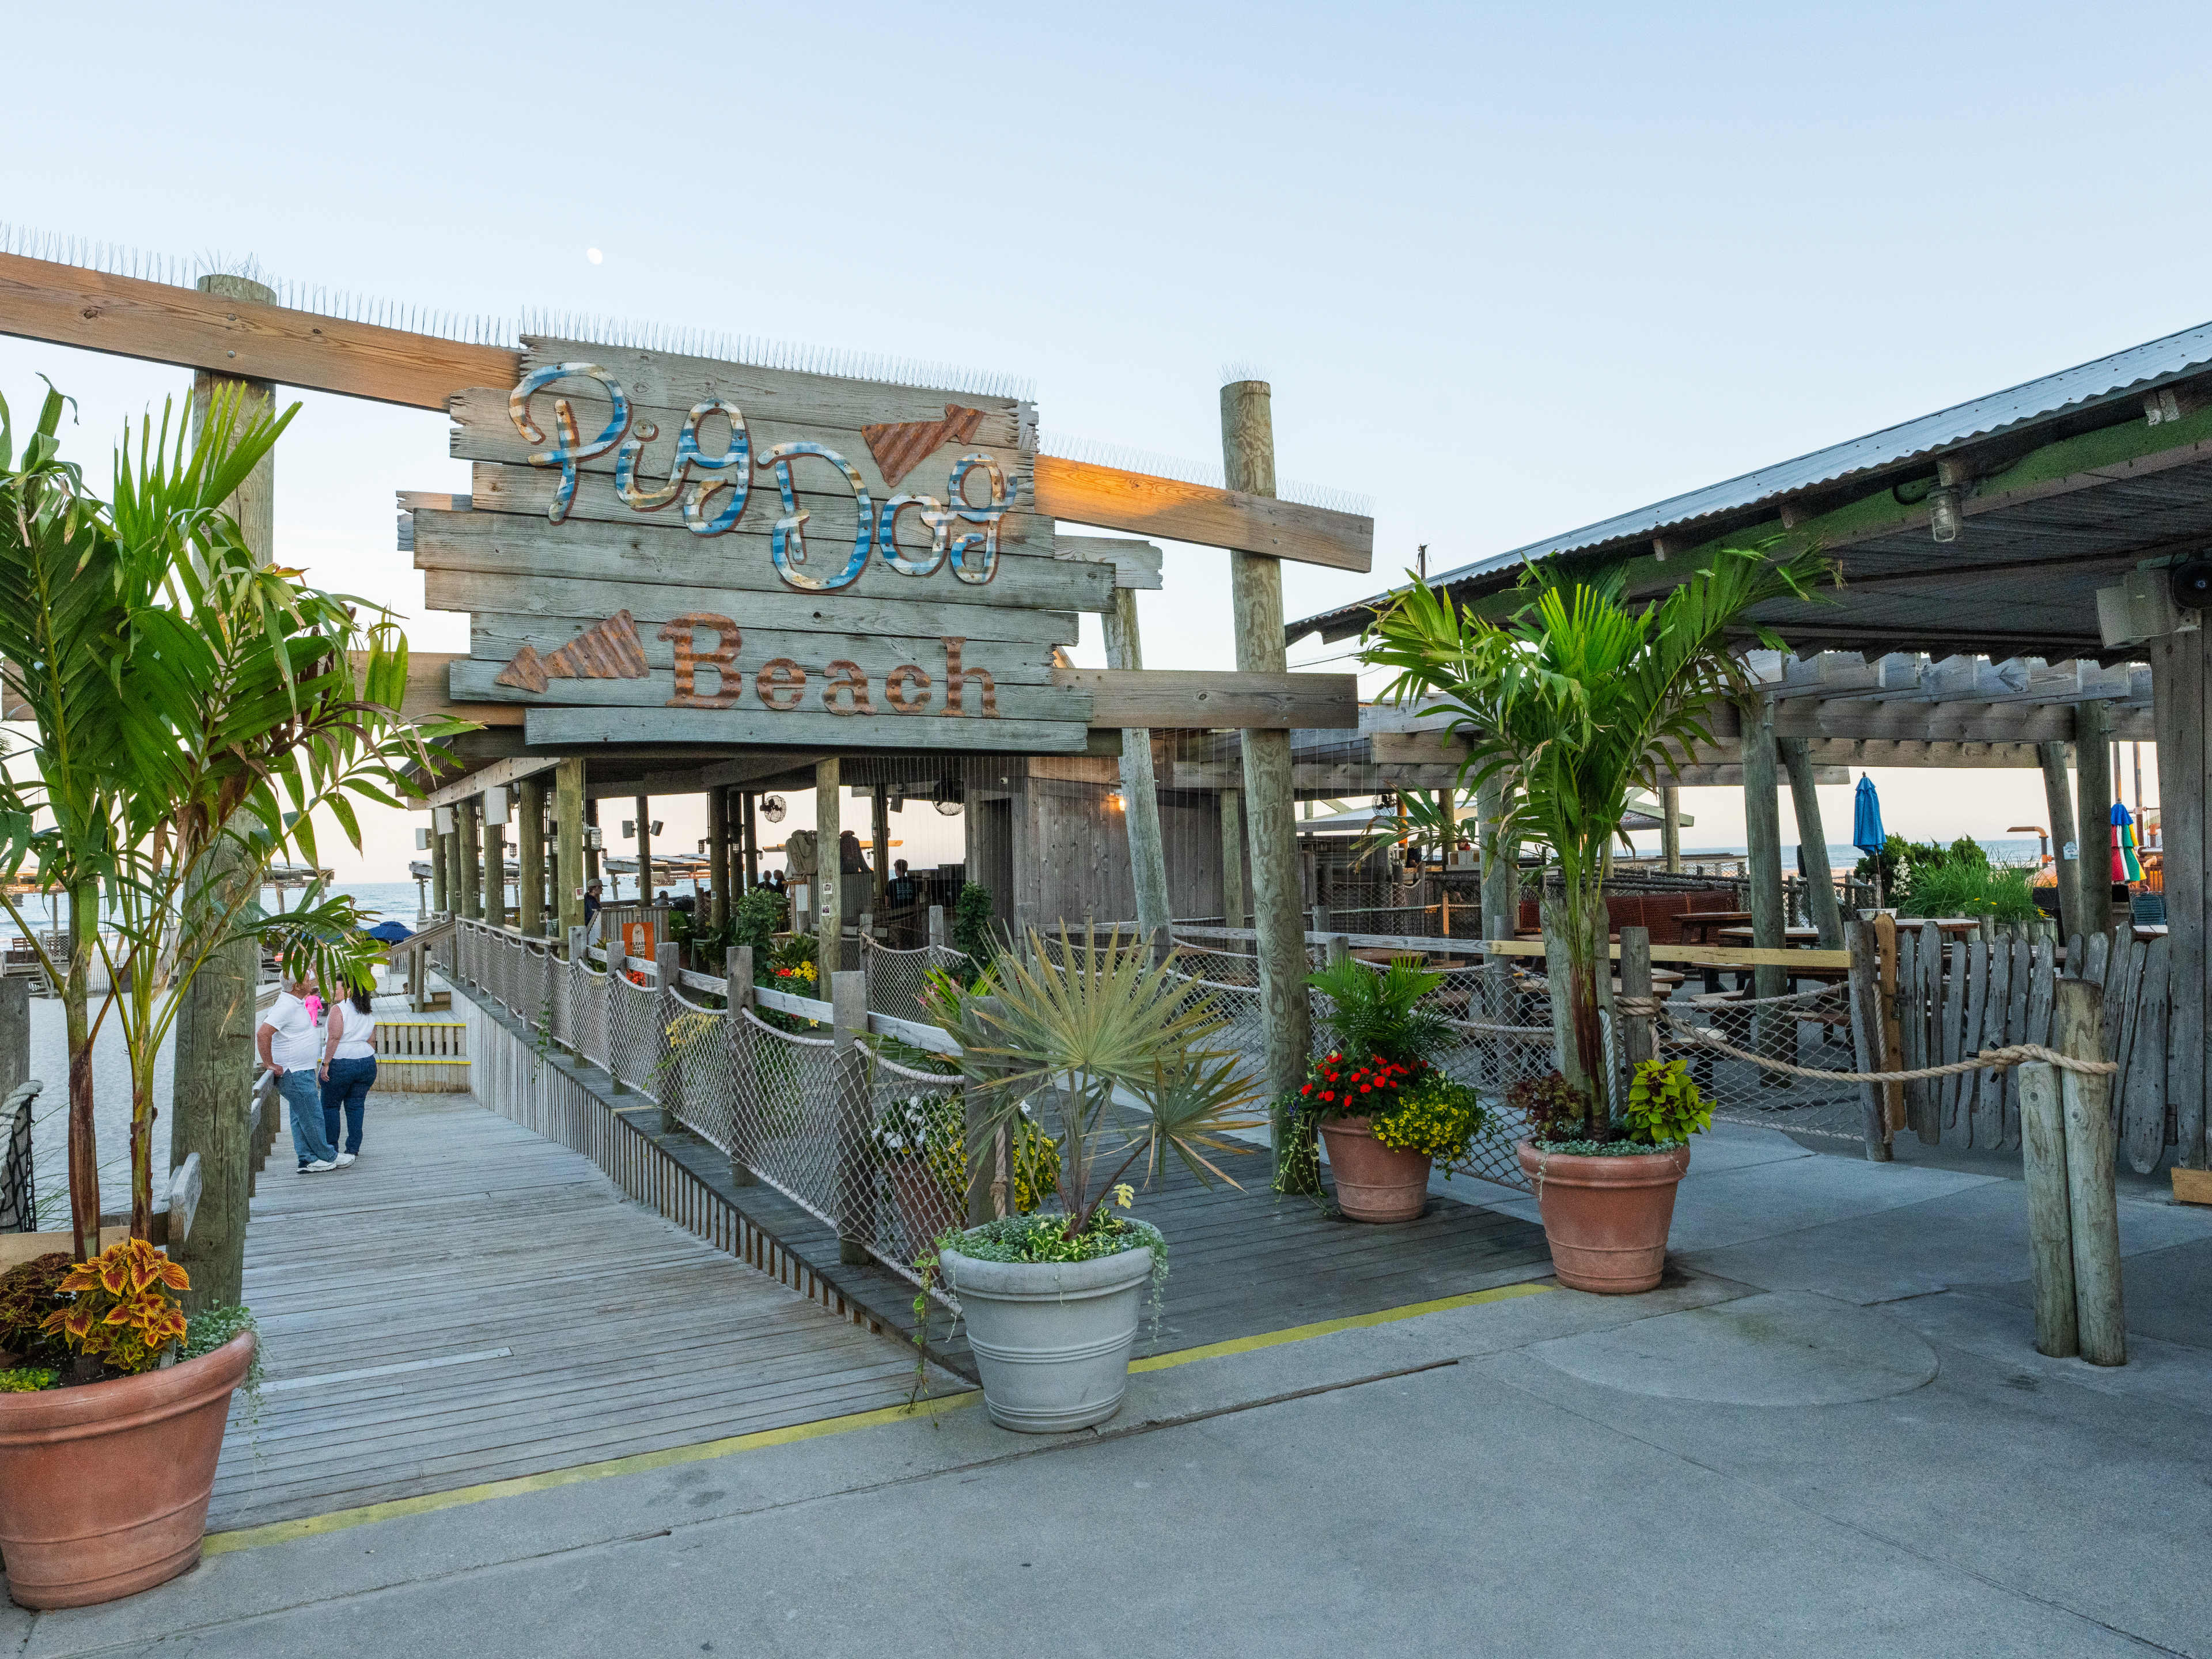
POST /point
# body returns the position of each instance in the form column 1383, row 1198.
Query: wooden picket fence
column 1958, row 996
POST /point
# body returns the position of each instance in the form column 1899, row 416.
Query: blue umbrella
column 390, row 932
column 1866, row 817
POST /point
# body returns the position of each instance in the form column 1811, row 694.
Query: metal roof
column 2131, row 372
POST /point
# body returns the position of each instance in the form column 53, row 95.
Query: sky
column 1508, row 270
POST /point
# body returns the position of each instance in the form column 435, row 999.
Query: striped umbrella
column 2126, row 867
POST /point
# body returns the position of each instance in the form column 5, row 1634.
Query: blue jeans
column 347, row 1087
column 303, row 1104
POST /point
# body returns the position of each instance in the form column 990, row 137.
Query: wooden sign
column 667, row 548
column 637, row 936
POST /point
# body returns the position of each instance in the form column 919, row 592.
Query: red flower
column 1307, row 1090
column 1326, row 1095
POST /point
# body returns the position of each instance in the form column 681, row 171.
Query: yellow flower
column 1125, row 1194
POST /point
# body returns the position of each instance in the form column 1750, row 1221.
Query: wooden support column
column 1762, row 819
column 1233, row 912
column 494, row 872
column 718, row 856
column 591, row 853
column 469, row 839
column 2049, row 1226
column 2066, row 865
column 828, row 887
column 879, row 850
column 214, row 1040
column 1247, row 451
column 531, row 891
column 2181, row 689
column 1670, row 828
column 2092, row 1200
column 2092, row 812
column 568, row 836
column 752, row 840
column 1141, row 801
column 440, row 903
column 1813, row 843
column 644, row 805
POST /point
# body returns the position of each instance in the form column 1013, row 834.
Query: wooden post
column 591, row 853
column 215, row 1018
column 2091, row 1203
column 2092, row 813
column 879, row 850
column 752, row 840
column 1638, row 1031
column 1247, row 451
column 1670, row 827
column 530, row 892
column 568, row 832
column 645, row 852
column 1140, row 802
column 2050, row 1226
column 667, row 1081
column 14, row 1032
column 718, row 856
column 2065, row 865
column 937, row 927
column 1868, row 1039
column 738, row 992
column 1893, row 1026
column 466, row 816
column 1813, row 843
column 829, row 893
column 440, row 903
column 494, row 873
column 1232, row 858
column 1762, row 810
column 2178, row 697
column 856, row 1177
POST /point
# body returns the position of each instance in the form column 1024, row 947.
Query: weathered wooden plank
column 1989, row 1100
column 2143, row 1109
column 520, row 592
column 2049, row 1224
column 2121, row 968
column 2043, row 976
column 69, row 306
column 1953, row 1028
column 2177, row 698
column 494, row 638
column 496, row 775
column 650, row 553
column 1107, row 498
column 1161, row 698
column 751, row 725
column 832, row 512
column 2023, row 971
column 472, row 681
column 2095, row 956
column 1136, row 564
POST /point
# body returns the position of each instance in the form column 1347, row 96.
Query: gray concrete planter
column 1052, row 1338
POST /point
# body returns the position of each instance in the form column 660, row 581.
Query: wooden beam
column 1166, row 698
column 496, row 775
column 1715, row 955
column 131, row 318
column 1107, row 498
column 1136, row 564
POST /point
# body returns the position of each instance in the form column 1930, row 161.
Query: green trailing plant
column 214, row 1327
column 1664, row 1107
column 1578, row 700
column 193, row 712
column 759, row 915
column 974, row 933
column 27, row 1379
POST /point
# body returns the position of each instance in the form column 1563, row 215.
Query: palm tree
column 194, row 711
column 1578, row 699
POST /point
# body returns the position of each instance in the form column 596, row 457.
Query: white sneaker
column 344, row 1158
column 317, row 1167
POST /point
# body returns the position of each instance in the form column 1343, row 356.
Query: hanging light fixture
column 1945, row 516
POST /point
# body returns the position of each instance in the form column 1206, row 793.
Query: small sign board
column 669, row 548
column 637, row 939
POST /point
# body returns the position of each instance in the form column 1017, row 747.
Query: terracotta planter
column 1374, row 1182
column 1606, row 1218
column 925, row 1208
column 103, row 1488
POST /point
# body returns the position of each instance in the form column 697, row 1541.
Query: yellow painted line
column 1329, row 1326
column 316, row 1525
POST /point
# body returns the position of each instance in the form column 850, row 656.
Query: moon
column 593, row 255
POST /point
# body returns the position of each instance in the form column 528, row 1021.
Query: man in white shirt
column 291, row 1047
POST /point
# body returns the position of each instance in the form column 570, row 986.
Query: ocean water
column 379, row 900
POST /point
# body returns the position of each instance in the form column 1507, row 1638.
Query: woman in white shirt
column 349, row 1069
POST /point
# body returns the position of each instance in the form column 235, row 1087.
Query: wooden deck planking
column 460, row 1232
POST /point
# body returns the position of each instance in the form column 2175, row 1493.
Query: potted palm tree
column 194, row 711
column 1107, row 1046
column 1578, row 698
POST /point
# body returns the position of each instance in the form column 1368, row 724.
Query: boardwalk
column 471, row 1302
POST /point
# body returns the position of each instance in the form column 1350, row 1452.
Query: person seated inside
column 850, row 860
column 900, row 888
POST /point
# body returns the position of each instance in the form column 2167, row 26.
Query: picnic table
column 1704, row 922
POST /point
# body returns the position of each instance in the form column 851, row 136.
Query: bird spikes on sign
column 605, row 651
column 901, row 445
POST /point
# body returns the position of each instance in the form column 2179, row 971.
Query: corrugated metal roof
column 2137, row 368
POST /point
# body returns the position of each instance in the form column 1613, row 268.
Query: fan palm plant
column 194, row 710
column 1580, row 698
column 1101, row 1018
